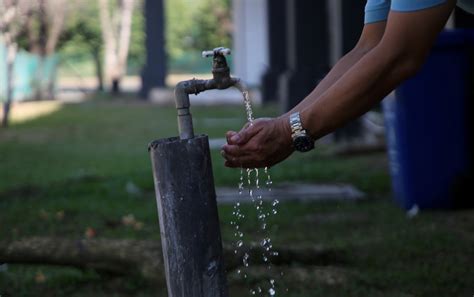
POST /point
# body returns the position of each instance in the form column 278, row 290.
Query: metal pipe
column 221, row 80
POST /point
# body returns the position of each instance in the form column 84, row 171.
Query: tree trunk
column 116, row 38
column 115, row 86
column 11, row 56
column 6, row 113
column 98, row 69
column 144, row 257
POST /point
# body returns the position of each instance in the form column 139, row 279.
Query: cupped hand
column 263, row 143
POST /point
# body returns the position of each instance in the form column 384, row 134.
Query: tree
column 13, row 16
column 42, row 34
column 116, row 23
column 45, row 25
column 213, row 25
column 84, row 36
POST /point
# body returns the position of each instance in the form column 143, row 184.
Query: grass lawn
column 86, row 166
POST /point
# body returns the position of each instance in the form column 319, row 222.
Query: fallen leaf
column 60, row 215
column 40, row 277
column 90, row 232
column 138, row 225
column 128, row 220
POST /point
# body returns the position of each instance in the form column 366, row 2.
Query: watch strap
column 296, row 126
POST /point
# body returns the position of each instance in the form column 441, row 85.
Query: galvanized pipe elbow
column 185, row 120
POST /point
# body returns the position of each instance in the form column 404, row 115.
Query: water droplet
column 240, row 243
column 272, row 292
column 274, row 211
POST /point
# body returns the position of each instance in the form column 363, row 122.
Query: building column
column 155, row 70
column 276, row 11
column 250, row 54
column 307, row 52
column 352, row 22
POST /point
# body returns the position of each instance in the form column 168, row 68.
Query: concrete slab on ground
column 295, row 192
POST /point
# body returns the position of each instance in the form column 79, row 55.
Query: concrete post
column 352, row 21
column 277, row 49
column 307, row 52
column 250, row 40
column 189, row 222
column 154, row 71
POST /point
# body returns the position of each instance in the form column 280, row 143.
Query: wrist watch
column 301, row 140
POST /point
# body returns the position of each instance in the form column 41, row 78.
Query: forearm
column 370, row 38
column 374, row 76
column 402, row 50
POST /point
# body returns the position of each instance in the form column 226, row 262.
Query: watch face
column 303, row 143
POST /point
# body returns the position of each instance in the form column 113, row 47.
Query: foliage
column 196, row 25
column 212, row 25
column 191, row 26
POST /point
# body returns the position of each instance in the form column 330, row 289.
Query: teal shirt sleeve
column 378, row 10
column 414, row 5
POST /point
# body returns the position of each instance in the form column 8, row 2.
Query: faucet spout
column 221, row 80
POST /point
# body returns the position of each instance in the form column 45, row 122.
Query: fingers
column 232, row 151
column 245, row 134
column 244, row 162
column 229, row 135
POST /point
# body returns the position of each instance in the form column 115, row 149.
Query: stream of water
column 251, row 189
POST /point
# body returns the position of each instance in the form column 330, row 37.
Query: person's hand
column 264, row 143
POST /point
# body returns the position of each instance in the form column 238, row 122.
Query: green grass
column 79, row 160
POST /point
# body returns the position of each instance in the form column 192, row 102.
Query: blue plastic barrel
column 427, row 122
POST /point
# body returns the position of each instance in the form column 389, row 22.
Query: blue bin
column 427, row 127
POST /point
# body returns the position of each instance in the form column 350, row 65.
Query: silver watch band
column 296, row 126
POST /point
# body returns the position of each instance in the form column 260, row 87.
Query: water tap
column 220, row 69
column 221, row 79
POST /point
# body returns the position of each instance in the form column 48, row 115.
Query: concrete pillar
column 276, row 49
column 352, row 22
column 250, row 54
column 154, row 71
column 307, row 52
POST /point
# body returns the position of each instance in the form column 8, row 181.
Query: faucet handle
column 217, row 51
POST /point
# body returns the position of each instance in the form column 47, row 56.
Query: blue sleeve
column 376, row 10
column 410, row 5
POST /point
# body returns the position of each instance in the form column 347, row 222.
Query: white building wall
column 250, row 40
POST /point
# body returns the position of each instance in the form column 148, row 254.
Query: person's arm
column 370, row 37
column 406, row 42
column 402, row 51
